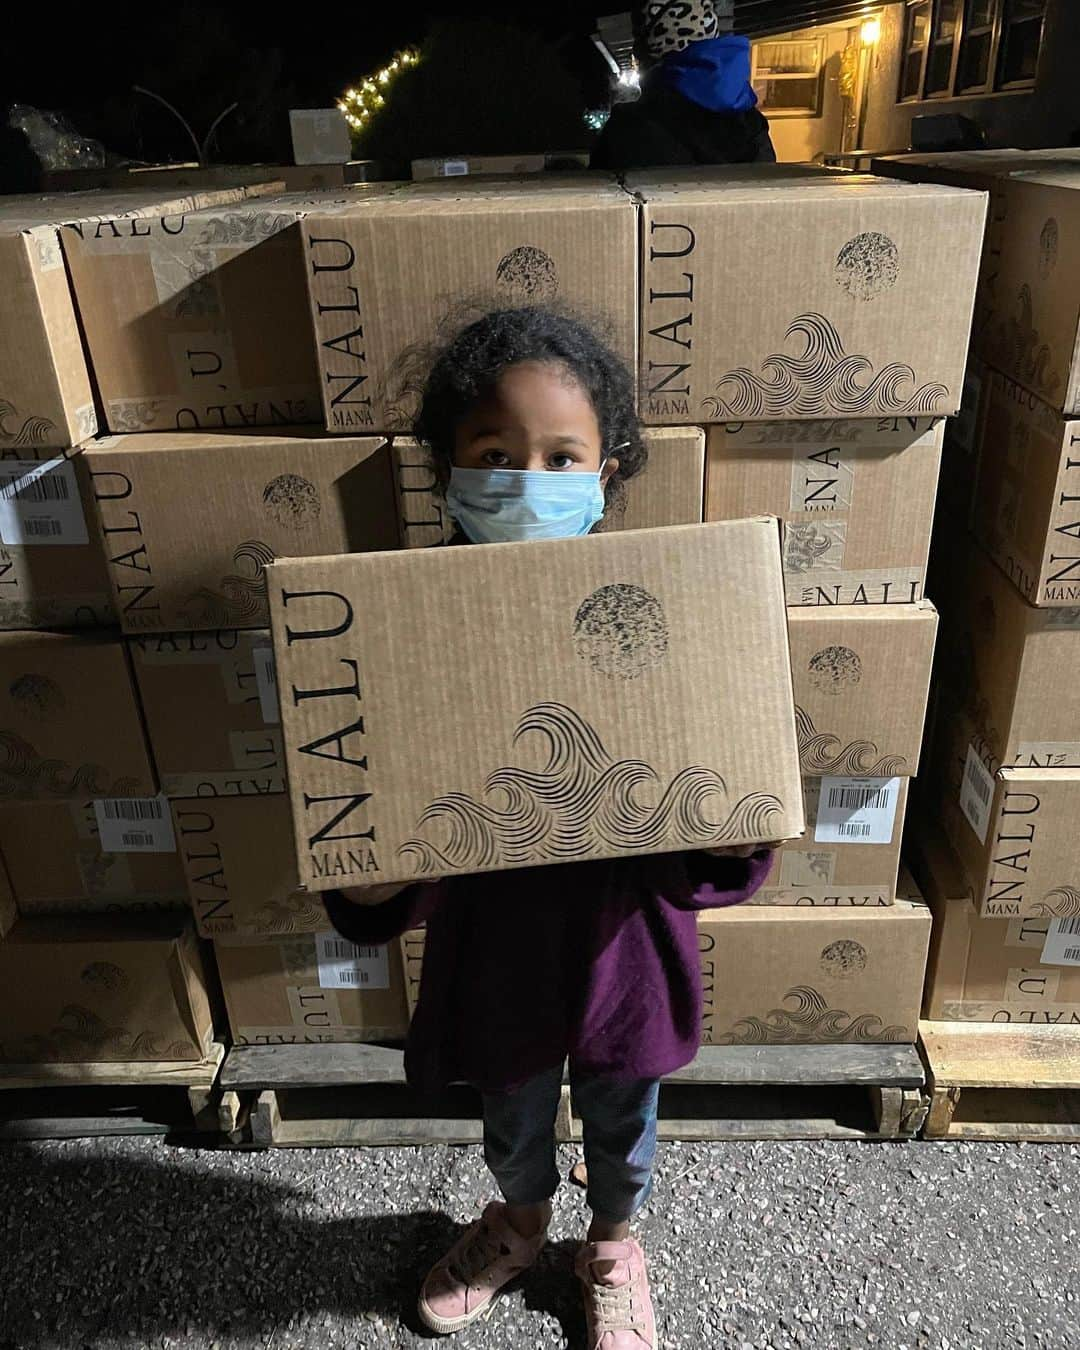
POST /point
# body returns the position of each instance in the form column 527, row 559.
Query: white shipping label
column 40, row 503
column 455, row 168
column 344, row 965
column 976, row 794
column 135, row 825
column 1062, row 945
column 857, row 810
column 266, row 683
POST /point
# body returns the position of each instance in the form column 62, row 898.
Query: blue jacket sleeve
column 373, row 924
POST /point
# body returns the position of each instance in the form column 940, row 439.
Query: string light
column 361, row 102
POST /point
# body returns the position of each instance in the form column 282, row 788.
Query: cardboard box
column 861, row 676
column 412, row 963
column 855, row 862
column 77, row 990
column 1014, row 830
column 460, row 166
column 69, row 719
column 668, row 491
column 986, row 970
column 198, row 322
column 57, row 865
column 240, row 863
column 211, row 710
column 644, row 701
column 193, row 560
column 52, row 568
column 812, row 976
column 1011, row 666
column 8, row 912
column 46, row 398
column 856, row 499
column 319, row 136
column 804, row 298
column 387, row 277
column 1026, row 318
column 311, row 988
column 1026, row 507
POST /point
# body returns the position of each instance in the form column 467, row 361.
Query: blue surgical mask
column 502, row 506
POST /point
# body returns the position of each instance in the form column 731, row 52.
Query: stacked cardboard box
column 1003, row 874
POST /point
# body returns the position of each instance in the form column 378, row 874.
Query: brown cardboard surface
column 1026, row 317
column 1027, row 492
column 1011, row 666
column 51, row 584
column 385, row 279
column 198, row 321
column 188, row 560
column 812, row 976
column 200, row 695
column 850, row 874
column 861, row 676
column 856, row 499
column 456, row 166
column 239, row 859
column 8, row 912
column 668, row 491
column 74, row 990
column 985, row 970
column 1028, row 864
column 804, row 297
column 69, row 719
column 412, row 964
column 56, row 864
column 597, row 719
column 46, row 399
column 274, row 996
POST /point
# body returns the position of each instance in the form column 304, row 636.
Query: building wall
column 803, row 138
column 1047, row 115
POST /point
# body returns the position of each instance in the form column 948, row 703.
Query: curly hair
column 473, row 360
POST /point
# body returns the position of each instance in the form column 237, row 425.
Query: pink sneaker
column 618, row 1309
column 462, row 1286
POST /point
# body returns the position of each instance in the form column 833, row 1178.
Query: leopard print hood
column 672, row 25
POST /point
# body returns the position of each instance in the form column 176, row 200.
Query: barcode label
column 454, row 168
column 134, row 825
column 344, row 965
column 266, row 683
column 39, row 503
column 1062, row 945
column 856, row 810
column 976, row 794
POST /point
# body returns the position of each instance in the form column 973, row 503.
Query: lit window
column 787, row 77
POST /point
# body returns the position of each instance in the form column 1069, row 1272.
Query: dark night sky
column 92, row 59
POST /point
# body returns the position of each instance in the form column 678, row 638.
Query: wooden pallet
column 70, row 1101
column 1001, row 1081
column 318, row 1096
column 325, row 1095
column 793, row 1092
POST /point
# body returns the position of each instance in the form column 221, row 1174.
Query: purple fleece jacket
column 595, row 960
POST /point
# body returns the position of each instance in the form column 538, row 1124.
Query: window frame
column 818, row 43
column 993, row 85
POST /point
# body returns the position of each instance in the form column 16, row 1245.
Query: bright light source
column 630, row 78
column 870, row 32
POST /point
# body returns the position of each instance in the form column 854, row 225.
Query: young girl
column 531, row 421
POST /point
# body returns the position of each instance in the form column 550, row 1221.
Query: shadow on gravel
column 124, row 1247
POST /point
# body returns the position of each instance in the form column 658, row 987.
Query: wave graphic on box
column 80, row 1030
column 296, row 914
column 1063, row 902
column 822, row 753
column 33, row 431
column 1015, row 347
column 823, row 378
column 25, row 773
column 809, row 1021
column 582, row 802
column 240, row 600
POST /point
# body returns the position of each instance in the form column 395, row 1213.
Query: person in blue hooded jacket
column 697, row 105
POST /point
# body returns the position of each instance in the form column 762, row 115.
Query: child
column 531, row 421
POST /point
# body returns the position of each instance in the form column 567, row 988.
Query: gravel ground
column 117, row 1243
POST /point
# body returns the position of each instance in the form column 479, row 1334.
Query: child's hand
column 738, row 850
